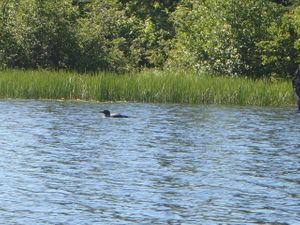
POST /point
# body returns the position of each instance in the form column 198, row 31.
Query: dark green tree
column 53, row 34
column 12, row 32
column 152, row 31
column 232, row 37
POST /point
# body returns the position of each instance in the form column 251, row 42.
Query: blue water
column 63, row 163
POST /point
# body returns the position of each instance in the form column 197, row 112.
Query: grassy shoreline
column 151, row 86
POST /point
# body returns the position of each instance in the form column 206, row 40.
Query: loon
column 113, row 115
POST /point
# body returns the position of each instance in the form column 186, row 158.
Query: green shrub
column 231, row 37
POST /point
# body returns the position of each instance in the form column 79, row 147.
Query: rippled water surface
column 63, row 163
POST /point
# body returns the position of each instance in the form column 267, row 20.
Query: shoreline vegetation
column 229, row 52
column 148, row 86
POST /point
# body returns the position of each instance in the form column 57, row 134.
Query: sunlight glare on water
column 63, row 163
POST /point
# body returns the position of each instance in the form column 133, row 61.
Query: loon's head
column 106, row 113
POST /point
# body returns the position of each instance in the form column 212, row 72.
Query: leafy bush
column 295, row 15
column 231, row 37
column 99, row 38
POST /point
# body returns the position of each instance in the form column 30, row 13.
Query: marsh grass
column 151, row 86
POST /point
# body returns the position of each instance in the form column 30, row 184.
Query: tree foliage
column 231, row 37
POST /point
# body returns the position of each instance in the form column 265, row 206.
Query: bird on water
column 296, row 86
column 113, row 115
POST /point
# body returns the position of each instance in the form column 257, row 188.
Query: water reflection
column 62, row 163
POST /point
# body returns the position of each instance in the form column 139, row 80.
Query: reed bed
column 151, row 86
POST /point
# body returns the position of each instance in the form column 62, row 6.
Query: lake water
column 63, row 163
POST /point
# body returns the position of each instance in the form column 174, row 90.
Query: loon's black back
column 118, row 116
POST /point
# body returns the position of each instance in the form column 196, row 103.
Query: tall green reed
column 149, row 86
